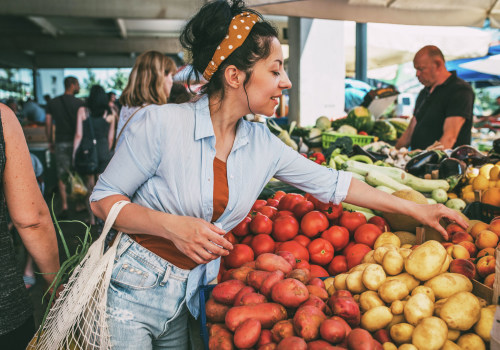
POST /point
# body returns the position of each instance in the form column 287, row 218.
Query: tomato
column 285, row 228
column 230, row 237
column 297, row 249
column 332, row 211
column 303, row 208
column 273, row 202
column 338, row 265
column 355, row 254
column 278, row 195
column 367, row 234
column 241, row 229
column 289, row 201
column 247, row 240
column 284, row 213
column 304, row 240
column 338, row 236
column 351, row 220
column 303, row 264
column 312, row 199
column 380, row 222
column 348, row 246
column 258, row 204
column 240, row 254
column 262, row 244
column 261, row 224
column 313, row 223
column 320, row 251
column 268, row 211
column 318, row 271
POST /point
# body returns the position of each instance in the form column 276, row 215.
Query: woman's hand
column 431, row 214
column 198, row 239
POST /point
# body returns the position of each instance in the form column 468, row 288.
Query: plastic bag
column 78, row 188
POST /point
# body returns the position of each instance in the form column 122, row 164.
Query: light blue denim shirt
column 165, row 163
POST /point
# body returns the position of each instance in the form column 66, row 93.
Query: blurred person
column 179, row 94
column 14, row 106
column 47, row 99
column 62, row 112
column 443, row 110
column 496, row 113
column 22, row 200
column 33, row 112
column 149, row 83
column 103, row 124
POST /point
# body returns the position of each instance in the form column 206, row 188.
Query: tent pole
column 361, row 51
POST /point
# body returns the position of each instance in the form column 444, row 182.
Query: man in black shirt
column 62, row 112
column 443, row 111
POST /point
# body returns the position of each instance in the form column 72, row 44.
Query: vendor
column 443, row 111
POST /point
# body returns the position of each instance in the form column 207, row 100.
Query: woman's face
column 167, row 84
column 267, row 82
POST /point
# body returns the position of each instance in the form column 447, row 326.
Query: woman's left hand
column 431, row 214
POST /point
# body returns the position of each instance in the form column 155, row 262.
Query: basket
column 331, row 136
column 204, row 296
column 481, row 211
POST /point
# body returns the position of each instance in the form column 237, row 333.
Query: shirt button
column 208, row 180
column 231, row 176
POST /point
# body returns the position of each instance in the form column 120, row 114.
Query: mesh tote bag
column 78, row 318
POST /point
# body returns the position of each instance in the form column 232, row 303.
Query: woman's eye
column 276, row 73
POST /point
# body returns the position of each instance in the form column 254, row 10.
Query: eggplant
column 469, row 155
column 452, row 170
column 358, row 150
column 418, row 165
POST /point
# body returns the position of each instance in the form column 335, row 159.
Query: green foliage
column 118, row 81
column 91, row 80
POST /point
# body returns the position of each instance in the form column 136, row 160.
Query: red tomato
column 289, row 201
column 303, row 264
column 351, row 220
column 242, row 228
column 303, row 208
column 285, row 228
column 240, row 254
column 338, row 236
column 367, row 234
column 273, row 202
column 320, row 251
column 262, row 244
column 347, row 247
column 355, row 254
column 261, row 224
column 313, row 223
column 258, row 204
column 268, row 211
column 230, row 237
column 318, row 271
column 312, row 199
column 284, row 213
column 297, row 249
column 247, row 240
column 338, row 265
column 304, row 240
column 332, row 211
column 278, row 195
column 380, row 222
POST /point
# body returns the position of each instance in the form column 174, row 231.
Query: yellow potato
column 393, row 263
column 426, row 261
column 461, row 311
column 424, row 290
column 373, row 276
column 389, row 346
column 407, row 347
column 453, row 334
column 485, row 324
column 405, row 252
column 410, row 281
column 369, row 300
column 446, row 264
column 418, row 307
column 379, row 253
column 339, row 282
column 395, row 320
column 471, row 341
column 387, row 238
column 397, row 307
column 368, row 258
column 449, row 345
column 376, row 318
column 430, row 334
column 354, row 282
column 438, row 305
column 393, row 290
column 407, row 246
column 401, row 333
column 360, row 267
column 447, row 284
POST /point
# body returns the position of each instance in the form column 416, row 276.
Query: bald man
column 443, row 111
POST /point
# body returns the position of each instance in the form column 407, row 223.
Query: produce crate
column 481, row 211
column 331, row 136
column 205, row 292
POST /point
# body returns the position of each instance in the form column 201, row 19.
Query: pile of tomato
column 323, row 237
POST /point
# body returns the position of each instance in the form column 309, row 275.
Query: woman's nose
column 285, row 82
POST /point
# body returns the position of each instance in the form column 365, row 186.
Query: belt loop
column 126, row 242
column 167, row 275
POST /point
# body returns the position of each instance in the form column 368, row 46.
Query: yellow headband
column 240, row 27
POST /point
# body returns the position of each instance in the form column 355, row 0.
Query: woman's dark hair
column 206, row 30
column 98, row 101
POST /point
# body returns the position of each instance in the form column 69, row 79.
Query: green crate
column 331, row 136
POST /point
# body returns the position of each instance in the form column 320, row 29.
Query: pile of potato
column 408, row 299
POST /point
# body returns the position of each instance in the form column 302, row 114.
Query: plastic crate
column 481, row 211
column 205, row 292
column 331, row 136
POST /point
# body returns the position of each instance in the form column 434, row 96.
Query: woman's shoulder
column 168, row 113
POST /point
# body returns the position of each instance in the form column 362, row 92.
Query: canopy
column 485, row 68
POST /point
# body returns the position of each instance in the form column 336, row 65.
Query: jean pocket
column 132, row 275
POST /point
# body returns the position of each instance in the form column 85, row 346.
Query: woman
column 103, row 126
column 188, row 165
column 21, row 197
column 150, row 82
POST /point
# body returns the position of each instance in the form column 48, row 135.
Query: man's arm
column 451, row 129
column 405, row 139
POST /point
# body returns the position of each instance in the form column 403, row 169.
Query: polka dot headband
column 240, row 27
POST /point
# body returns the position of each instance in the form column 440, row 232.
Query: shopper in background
column 193, row 172
column 33, row 112
column 102, row 117
column 21, row 197
column 179, row 94
column 149, row 83
column 443, row 110
column 61, row 112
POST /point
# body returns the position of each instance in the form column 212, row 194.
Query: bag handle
column 113, row 213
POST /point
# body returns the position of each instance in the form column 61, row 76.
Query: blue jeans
column 146, row 300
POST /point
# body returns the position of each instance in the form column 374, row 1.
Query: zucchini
column 375, row 178
column 361, row 158
column 358, row 177
column 385, row 189
column 352, row 207
column 423, row 185
column 439, row 195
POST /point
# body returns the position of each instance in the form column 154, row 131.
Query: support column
column 361, row 51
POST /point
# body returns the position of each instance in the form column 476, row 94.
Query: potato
column 272, row 262
column 453, row 334
column 447, row 284
column 396, row 319
column 407, row 246
column 426, row 261
column 215, row 311
column 387, row 238
column 373, row 276
column 306, row 322
column 359, row 339
column 253, row 299
column 354, row 282
column 281, row 330
column 225, row 292
column 389, row 346
column 241, row 273
column 379, row 253
column 461, row 311
column 405, row 252
column 289, row 292
column 247, row 334
column 424, row 290
column 255, row 278
column 292, row 343
column 376, row 318
column 417, row 308
column 471, row 341
column 446, row 264
column 393, row 290
column 339, row 282
column 482, row 302
column 410, row 281
column 430, row 334
column 368, row 258
column 485, row 324
column 220, row 338
column 449, row 345
column 268, row 314
column 360, row 267
column 393, row 263
column 438, row 306
column 401, row 333
column 369, row 300
column 303, row 275
column 408, row 347
column 270, row 281
column 397, row 307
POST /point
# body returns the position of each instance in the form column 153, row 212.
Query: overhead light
column 80, row 54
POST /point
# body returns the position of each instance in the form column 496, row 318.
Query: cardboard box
column 35, row 134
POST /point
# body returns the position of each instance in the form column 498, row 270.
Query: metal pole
column 361, row 51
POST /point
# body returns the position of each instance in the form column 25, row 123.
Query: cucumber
column 375, row 178
column 362, row 158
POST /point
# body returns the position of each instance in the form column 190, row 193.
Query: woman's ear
column 234, row 76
